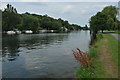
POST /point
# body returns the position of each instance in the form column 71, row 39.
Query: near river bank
column 105, row 54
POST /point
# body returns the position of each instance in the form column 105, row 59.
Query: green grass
column 96, row 65
column 113, row 46
column 112, row 31
column 94, row 52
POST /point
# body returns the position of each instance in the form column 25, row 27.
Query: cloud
column 75, row 12
column 2, row 6
column 67, row 8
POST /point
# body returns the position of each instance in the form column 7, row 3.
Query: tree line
column 105, row 20
column 12, row 20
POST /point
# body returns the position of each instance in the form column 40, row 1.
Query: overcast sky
column 74, row 12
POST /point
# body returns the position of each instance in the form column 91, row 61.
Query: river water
column 46, row 55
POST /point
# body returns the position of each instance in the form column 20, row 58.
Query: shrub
column 87, row 69
column 99, row 36
column 82, row 57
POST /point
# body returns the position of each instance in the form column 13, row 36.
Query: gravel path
column 117, row 36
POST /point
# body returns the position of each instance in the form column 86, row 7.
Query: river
column 45, row 55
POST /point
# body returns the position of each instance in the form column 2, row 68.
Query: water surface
column 46, row 55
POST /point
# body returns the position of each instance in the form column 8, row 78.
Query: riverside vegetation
column 104, row 49
column 102, row 59
column 104, row 53
column 12, row 20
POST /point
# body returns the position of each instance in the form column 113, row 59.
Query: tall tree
column 98, row 22
column 30, row 22
column 110, row 24
column 111, row 11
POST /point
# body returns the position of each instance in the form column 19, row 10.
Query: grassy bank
column 112, row 31
column 105, row 54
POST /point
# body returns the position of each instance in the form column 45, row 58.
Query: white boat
column 52, row 30
column 10, row 32
column 28, row 31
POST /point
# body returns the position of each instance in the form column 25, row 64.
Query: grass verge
column 112, row 31
column 96, row 70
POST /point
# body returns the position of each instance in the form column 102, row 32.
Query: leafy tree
column 118, row 25
column 10, row 8
column 30, row 22
column 111, row 11
column 98, row 22
column 56, row 25
column 10, row 20
column 110, row 23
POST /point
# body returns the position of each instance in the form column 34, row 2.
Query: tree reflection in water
column 12, row 43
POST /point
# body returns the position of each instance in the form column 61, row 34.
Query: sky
column 77, row 12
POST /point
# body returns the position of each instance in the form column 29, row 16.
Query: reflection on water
column 42, row 55
column 10, row 47
column 13, row 43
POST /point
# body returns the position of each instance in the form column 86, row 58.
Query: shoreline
column 105, row 53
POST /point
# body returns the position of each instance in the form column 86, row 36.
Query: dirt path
column 110, row 68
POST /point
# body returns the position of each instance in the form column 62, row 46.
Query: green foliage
column 98, row 22
column 110, row 23
column 113, row 46
column 92, row 52
column 118, row 25
column 39, row 28
column 12, row 20
column 85, row 72
column 111, row 11
column 104, row 20
column 30, row 22
column 99, row 36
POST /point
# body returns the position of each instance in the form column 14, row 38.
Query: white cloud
column 2, row 6
column 67, row 8
column 74, row 12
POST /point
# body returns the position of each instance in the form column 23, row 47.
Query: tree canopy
column 12, row 20
column 104, row 20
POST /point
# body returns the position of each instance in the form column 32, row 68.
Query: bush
column 85, row 72
column 99, row 36
column 87, row 69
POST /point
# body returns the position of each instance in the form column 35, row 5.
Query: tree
column 30, row 22
column 10, row 8
column 98, row 22
column 56, row 25
column 111, row 11
column 110, row 24
column 10, row 20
